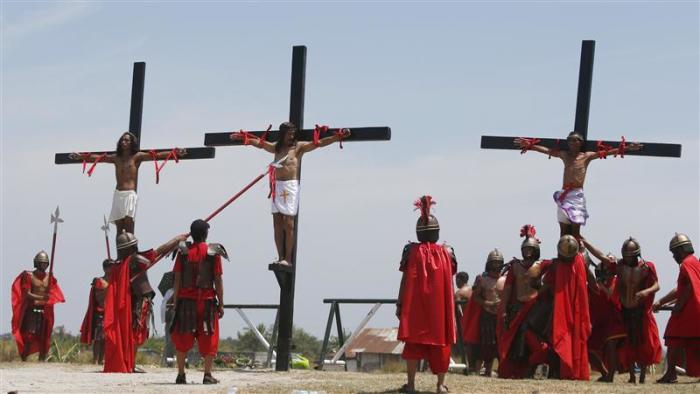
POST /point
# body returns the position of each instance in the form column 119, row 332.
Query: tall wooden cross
column 583, row 103
column 135, row 117
column 286, row 274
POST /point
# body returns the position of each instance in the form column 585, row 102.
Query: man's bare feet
column 284, row 263
column 442, row 389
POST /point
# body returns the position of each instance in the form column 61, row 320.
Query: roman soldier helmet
column 126, row 240
column 494, row 261
column 679, row 240
column 528, row 231
column 427, row 226
column 41, row 257
column 631, row 248
column 568, row 246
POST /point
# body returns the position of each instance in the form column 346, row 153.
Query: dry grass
column 74, row 378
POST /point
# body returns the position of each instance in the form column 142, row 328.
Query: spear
column 271, row 167
column 55, row 219
column 105, row 228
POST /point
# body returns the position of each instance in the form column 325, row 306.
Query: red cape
column 683, row 325
column 470, row 322
column 571, row 324
column 20, row 302
column 606, row 322
column 427, row 313
column 119, row 341
column 648, row 351
column 86, row 329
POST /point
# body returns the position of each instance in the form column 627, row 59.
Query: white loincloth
column 572, row 208
column 123, row 205
column 286, row 199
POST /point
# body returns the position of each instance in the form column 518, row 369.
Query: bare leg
column 642, row 373
column 100, row 352
column 181, row 362
column 95, row 351
column 278, row 225
column 564, row 229
column 611, row 360
column 441, row 388
column 120, row 226
column 576, row 230
column 289, row 238
column 208, row 361
column 411, row 368
column 671, row 361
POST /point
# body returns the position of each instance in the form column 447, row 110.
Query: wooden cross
column 583, row 102
column 135, row 117
column 286, row 274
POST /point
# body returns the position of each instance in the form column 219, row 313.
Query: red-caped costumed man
column 198, row 298
column 128, row 302
column 91, row 332
column 564, row 283
column 425, row 306
column 34, row 293
column 682, row 334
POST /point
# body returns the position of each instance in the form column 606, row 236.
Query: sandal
column 208, row 379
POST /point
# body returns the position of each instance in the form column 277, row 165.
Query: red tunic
column 86, row 329
column 20, row 303
column 120, row 340
column 471, row 333
column 207, row 343
column 571, row 325
column 510, row 369
column 683, row 329
column 427, row 313
column 648, row 351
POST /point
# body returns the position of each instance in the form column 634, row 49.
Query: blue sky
column 440, row 75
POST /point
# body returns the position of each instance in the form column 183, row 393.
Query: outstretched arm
column 308, row 147
column 595, row 251
column 91, row 157
column 667, row 299
column 170, row 245
column 254, row 141
column 145, row 156
column 526, row 145
column 631, row 147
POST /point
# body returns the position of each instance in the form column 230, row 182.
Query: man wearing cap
column 198, row 298
column 128, row 301
column 570, row 200
column 91, row 331
column 33, row 298
column 682, row 334
column 564, row 282
column 425, row 306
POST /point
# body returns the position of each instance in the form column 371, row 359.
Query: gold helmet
column 679, row 240
column 631, row 248
column 41, row 257
column 568, row 246
column 126, row 240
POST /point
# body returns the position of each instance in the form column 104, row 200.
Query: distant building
column 374, row 348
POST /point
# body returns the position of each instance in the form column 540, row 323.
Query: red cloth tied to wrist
column 554, row 151
column 245, row 135
column 317, row 134
column 264, row 136
column 621, row 149
column 529, row 143
column 94, row 164
column 603, row 149
column 84, row 156
column 340, row 133
column 271, row 173
column 172, row 154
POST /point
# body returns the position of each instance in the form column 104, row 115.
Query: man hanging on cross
column 126, row 161
column 571, row 202
column 284, row 180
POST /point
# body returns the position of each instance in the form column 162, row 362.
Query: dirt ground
column 75, row 378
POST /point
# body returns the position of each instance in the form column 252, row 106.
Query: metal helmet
column 126, row 240
column 530, row 242
column 631, row 248
column 41, row 257
column 679, row 240
column 427, row 226
column 568, row 246
column 494, row 261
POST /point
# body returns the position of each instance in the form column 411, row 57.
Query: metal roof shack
column 377, row 341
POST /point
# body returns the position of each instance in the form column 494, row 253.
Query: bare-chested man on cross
column 126, row 162
column 285, row 189
column 571, row 203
